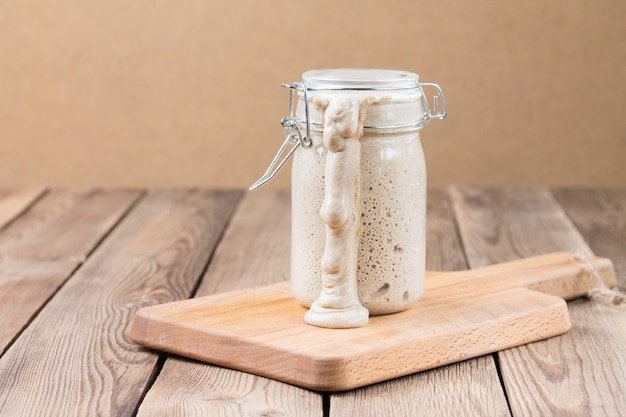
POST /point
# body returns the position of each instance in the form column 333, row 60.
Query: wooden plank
column 41, row 249
column 600, row 215
column 466, row 389
column 579, row 372
column 75, row 358
column 469, row 388
column 254, row 251
column 463, row 314
column 503, row 224
column 443, row 248
column 13, row 202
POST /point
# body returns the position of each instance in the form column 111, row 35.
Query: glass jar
column 387, row 110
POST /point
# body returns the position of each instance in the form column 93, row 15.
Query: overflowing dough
column 338, row 305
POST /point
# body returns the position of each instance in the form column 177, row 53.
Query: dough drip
column 338, row 305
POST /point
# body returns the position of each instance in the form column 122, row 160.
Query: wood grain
column 41, row 249
column 503, row 224
column 79, row 341
column 254, row 251
column 562, row 375
column 468, row 388
column 73, row 359
column 14, row 201
column 462, row 314
column 463, row 389
column 256, row 247
column 600, row 215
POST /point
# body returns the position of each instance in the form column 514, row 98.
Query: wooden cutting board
column 461, row 315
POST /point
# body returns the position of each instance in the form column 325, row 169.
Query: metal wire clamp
column 293, row 134
column 293, row 125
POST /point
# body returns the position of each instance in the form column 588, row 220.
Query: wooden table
column 75, row 264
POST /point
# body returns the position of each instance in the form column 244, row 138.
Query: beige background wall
column 186, row 92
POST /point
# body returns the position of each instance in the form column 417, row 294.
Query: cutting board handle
column 562, row 274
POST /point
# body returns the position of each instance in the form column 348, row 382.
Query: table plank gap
column 254, row 251
column 97, row 241
column 600, row 215
column 79, row 340
column 14, row 202
column 466, row 388
column 561, row 375
column 42, row 248
column 152, row 377
column 227, row 225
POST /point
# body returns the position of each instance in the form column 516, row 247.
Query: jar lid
column 359, row 79
column 397, row 111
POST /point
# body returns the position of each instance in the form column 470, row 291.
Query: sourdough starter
column 391, row 201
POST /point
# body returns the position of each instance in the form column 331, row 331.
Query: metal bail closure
column 293, row 135
column 435, row 114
